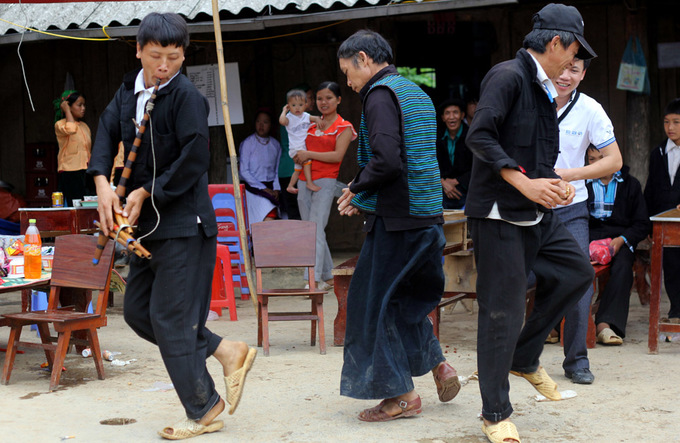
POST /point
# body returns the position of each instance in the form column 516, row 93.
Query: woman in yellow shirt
column 75, row 144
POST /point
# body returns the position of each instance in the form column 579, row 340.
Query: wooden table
column 25, row 286
column 666, row 233
column 53, row 222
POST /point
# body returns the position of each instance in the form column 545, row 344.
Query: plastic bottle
column 32, row 252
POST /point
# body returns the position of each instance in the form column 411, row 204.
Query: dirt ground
column 293, row 395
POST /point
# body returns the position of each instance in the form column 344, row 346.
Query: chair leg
column 264, row 312
column 59, row 357
column 44, row 330
column 12, row 342
column 322, row 331
column 259, row 321
column 93, row 339
column 314, row 312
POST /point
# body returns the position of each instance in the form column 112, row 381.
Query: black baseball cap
column 560, row 17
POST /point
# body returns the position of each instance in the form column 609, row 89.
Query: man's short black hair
column 460, row 104
column 538, row 39
column 372, row 43
column 166, row 29
column 673, row 107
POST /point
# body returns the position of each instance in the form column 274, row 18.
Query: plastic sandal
column 188, row 428
column 501, row 431
column 235, row 381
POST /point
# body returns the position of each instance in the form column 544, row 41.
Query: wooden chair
column 72, row 268
column 286, row 244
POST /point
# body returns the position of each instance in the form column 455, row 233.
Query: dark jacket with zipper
column 515, row 126
column 660, row 195
column 179, row 126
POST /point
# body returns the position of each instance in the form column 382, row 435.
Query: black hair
column 373, row 44
column 460, row 104
column 537, row 39
column 266, row 111
column 332, row 86
column 165, row 29
column 70, row 96
column 296, row 93
column 673, row 107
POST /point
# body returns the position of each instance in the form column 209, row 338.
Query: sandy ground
column 293, row 395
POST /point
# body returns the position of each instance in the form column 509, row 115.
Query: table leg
column 655, row 294
column 340, row 287
column 25, row 300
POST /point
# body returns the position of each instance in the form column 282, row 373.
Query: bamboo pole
column 232, row 153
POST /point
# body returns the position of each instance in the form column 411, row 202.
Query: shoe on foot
column 581, row 376
column 447, row 382
column 542, row 382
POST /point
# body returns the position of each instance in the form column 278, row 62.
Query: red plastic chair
column 222, row 284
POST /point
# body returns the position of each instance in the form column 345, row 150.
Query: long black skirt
column 398, row 280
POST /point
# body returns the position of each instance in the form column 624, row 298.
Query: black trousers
column 671, row 278
column 397, row 281
column 615, row 299
column 167, row 300
column 505, row 254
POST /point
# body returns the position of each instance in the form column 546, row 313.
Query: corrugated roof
column 84, row 15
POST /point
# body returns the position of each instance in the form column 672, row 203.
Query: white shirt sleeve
column 600, row 128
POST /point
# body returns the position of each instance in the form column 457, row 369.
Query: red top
column 318, row 141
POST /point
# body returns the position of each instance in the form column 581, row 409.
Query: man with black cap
column 513, row 189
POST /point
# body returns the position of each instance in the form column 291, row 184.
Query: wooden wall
column 269, row 67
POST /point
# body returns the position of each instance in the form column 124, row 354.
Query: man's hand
column 616, row 244
column 133, row 204
column 547, row 192
column 107, row 203
column 344, row 206
column 449, row 185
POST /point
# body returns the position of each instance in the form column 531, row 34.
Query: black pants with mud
column 167, row 300
column 397, row 281
column 505, row 254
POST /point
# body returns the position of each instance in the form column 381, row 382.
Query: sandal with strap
column 501, row 431
column 408, row 409
column 542, row 382
column 235, row 381
column 188, row 428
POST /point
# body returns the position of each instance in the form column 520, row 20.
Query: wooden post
column 637, row 132
column 232, row 153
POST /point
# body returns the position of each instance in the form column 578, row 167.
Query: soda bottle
column 32, row 252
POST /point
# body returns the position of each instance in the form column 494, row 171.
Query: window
column 420, row 76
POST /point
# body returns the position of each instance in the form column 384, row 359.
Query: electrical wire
column 61, row 35
column 21, row 60
column 149, row 107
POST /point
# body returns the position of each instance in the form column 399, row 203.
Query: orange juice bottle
column 32, row 252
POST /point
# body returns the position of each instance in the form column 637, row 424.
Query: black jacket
column 515, row 126
column 179, row 123
column 629, row 216
column 462, row 159
column 660, row 195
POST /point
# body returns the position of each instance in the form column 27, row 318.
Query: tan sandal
column 188, row 428
column 501, row 431
column 609, row 337
column 235, row 381
column 542, row 382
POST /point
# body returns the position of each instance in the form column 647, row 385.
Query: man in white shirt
column 582, row 122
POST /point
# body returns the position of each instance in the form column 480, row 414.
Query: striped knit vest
column 419, row 139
